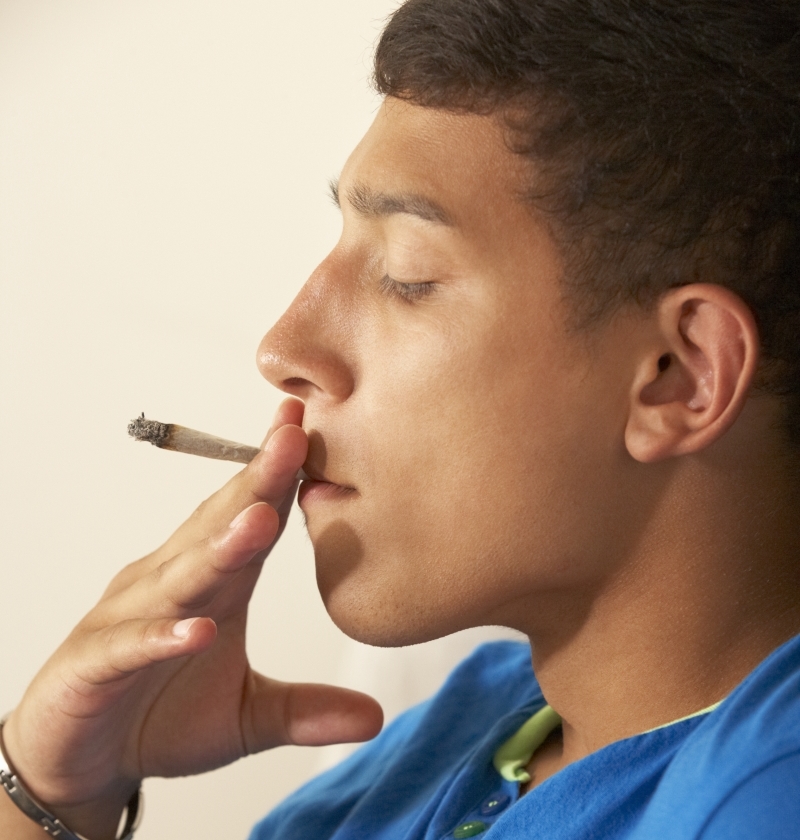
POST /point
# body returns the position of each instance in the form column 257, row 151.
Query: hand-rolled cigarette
column 180, row 439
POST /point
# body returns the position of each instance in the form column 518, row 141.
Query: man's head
column 504, row 352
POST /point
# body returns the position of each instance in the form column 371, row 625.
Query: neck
column 712, row 588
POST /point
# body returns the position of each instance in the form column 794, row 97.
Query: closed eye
column 405, row 291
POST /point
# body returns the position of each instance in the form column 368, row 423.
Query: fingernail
column 238, row 519
column 182, row 628
column 236, row 522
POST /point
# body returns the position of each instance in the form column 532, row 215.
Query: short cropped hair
column 664, row 137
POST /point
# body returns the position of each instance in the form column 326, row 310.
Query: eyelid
column 406, row 291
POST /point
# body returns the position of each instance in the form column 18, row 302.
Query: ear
column 694, row 376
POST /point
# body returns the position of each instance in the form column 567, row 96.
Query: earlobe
column 693, row 379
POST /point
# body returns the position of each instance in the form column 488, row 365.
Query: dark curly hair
column 665, row 136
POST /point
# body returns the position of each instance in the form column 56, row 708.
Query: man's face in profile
column 474, row 439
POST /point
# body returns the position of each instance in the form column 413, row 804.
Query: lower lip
column 321, row 491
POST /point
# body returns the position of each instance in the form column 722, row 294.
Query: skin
column 620, row 496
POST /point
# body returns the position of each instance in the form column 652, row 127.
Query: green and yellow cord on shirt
column 512, row 757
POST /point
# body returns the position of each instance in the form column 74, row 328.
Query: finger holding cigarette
column 192, row 442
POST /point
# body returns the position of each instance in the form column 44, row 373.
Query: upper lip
column 316, row 475
column 317, row 461
column 313, row 474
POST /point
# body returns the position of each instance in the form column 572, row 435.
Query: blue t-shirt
column 731, row 774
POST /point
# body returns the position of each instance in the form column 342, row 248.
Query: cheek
column 477, row 475
column 464, row 409
column 422, row 410
column 438, row 474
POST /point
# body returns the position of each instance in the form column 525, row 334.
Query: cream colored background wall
column 163, row 170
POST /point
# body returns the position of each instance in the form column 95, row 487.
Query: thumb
column 306, row 714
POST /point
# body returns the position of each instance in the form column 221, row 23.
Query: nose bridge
column 305, row 352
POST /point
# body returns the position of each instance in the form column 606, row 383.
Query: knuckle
column 113, row 639
column 125, row 648
column 158, row 573
column 202, row 510
column 124, row 578
column 146, row 634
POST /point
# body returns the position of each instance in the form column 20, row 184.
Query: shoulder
column 765, row 804
column 741, row 764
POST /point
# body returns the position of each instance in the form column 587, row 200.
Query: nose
column 308, row 351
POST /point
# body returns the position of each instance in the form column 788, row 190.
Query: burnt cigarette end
column 150, row 430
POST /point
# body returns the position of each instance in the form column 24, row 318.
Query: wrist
column 13, row 823
column 103, row 818
column 99, row 819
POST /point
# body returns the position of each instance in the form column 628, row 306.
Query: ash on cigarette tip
column 150, row 430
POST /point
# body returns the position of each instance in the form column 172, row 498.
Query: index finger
column 270, row 477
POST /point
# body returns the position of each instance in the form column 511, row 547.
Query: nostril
column 295, row 382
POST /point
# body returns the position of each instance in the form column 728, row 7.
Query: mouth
column 316, row 487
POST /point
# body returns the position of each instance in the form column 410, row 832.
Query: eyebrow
column 376, row 204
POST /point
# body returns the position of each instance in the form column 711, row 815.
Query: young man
column 549, row 379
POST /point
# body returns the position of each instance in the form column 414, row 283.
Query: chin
column 372, row 597
column 371, row 613
column 366, row 626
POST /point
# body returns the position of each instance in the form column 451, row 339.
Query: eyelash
column 405, row 291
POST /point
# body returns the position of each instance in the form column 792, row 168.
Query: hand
column 155, row 680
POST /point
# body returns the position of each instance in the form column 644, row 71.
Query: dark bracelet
column 49, row 822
